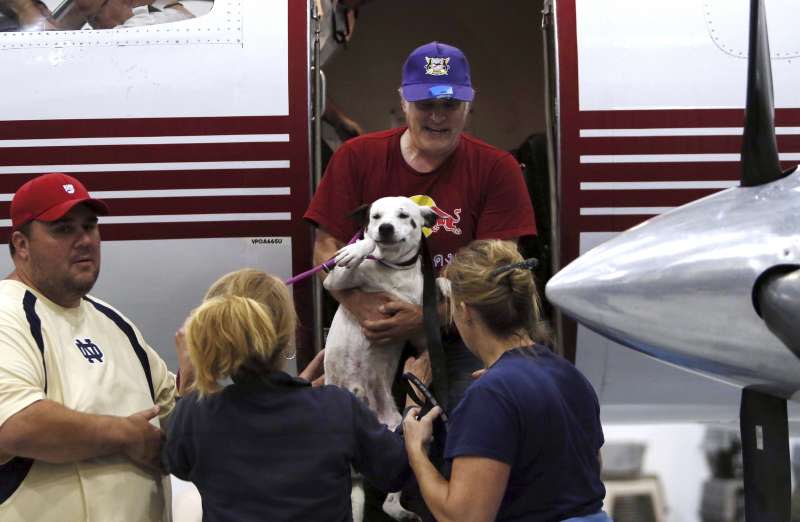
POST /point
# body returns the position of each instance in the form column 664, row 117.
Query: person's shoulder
column 12, row 297
column 11, row 291
column 480, row 146
column 96, row 305
column 102, row 306
column 517, row 366
column 192, row 406
column 565, row 375
column 490, row 158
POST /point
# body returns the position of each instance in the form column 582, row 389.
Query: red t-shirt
column 478, row 193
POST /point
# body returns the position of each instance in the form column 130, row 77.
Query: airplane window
column 69, row 15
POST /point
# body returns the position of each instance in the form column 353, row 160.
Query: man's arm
column 384, row 318
column 50, row 432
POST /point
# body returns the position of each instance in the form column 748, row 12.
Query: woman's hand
column 418, row 433
column 315, row 371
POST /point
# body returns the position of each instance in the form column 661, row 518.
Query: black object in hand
column 428, row 403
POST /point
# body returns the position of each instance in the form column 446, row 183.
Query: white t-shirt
column 89, row 363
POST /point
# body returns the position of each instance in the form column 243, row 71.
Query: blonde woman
column 269, row 446
column 524, row 441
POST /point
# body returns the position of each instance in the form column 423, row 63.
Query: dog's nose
column 386, row 230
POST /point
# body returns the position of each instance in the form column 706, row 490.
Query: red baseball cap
column 49, row 197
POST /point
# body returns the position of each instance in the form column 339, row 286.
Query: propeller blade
column 765, row 455
column 760, row 162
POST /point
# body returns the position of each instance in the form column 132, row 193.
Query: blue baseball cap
column 434, row 71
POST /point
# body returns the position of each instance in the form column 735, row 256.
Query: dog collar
column 397, row 266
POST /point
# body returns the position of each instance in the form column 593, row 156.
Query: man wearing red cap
column 80, row 390
column 476, row 190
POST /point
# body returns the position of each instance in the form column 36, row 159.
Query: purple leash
column 327, row 266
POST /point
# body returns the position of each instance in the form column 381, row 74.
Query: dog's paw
column 350, row 256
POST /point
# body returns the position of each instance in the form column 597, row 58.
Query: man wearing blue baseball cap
column 476, row 191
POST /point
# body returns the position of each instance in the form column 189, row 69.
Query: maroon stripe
column 167, row 179
column 639, row 198
column 711, row 171
column 569, row 111
column 657, row 118
column 676, row 145
column 659, row 171
column 132, row 127
column 139, row 231
column 300, row 231
column 568, row 108
column 144, row 153
column 662, row 145
column 189, row 205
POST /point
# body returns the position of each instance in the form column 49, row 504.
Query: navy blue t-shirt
column 536, row 412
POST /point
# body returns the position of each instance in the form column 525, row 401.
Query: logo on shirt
column 437, row 66
column 440, row 260
column 444, row 220
column 69, row 188
column 89, row 350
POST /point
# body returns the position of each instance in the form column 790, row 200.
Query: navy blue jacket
column 277, row 449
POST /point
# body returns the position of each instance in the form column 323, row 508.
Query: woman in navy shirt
column 524, row 442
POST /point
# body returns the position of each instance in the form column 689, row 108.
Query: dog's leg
column 350, row 256
column 392, row 507
column 357, row 497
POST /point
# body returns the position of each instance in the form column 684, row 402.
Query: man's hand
column 144, row 440
column 420, row 367
column 402, row 321
column 363, row 305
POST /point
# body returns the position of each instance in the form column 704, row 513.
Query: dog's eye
column 402, row 215
column 376, row 216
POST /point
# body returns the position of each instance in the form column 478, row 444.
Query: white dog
column 386, row 260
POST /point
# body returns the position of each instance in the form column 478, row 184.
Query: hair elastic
column 529, row 264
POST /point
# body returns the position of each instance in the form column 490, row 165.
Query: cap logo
column 441, row 91
column 437, row 66
column 69, row 188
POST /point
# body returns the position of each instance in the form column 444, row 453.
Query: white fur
column 393, row 236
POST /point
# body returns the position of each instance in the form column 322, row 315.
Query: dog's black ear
column 428, row 216
column 361, row 215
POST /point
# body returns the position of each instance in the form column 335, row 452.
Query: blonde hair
column 246, row 321
column 506, row 300
column 267, row 290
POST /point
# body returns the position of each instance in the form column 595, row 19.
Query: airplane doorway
column 502, row 41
